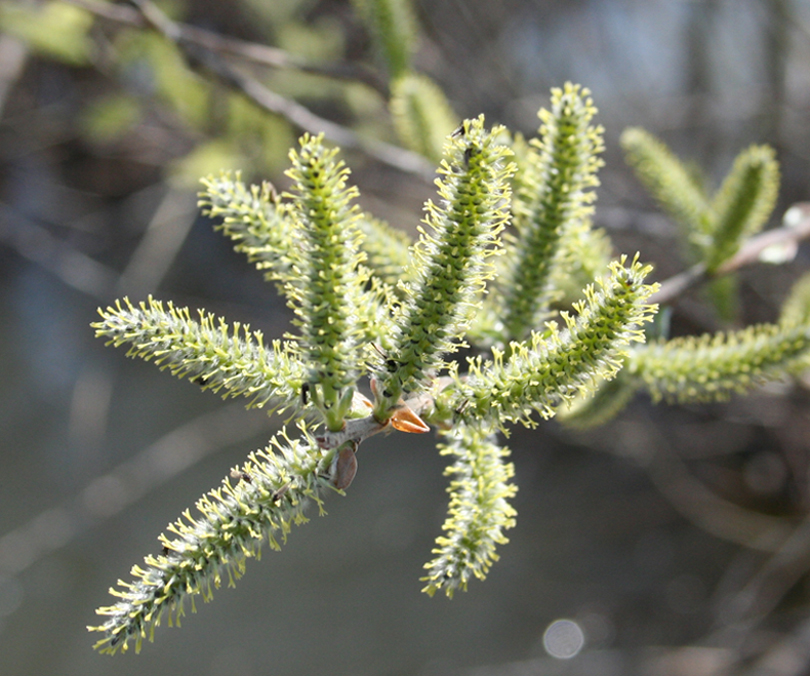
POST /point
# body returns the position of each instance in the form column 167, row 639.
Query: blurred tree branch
column 110, row 493
column 206, row 49
column 248, row 51
column 787, row 236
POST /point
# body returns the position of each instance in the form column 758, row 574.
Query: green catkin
column 231, row 525
column 234, row 361
column 256, row 220
column 556, row 194
column 743, row 204
column 549, row 368
column 421, row 114
column 332, row 285
column 392, row 26
column 449, row 265
column 479, row 510
column 369, row 303
column 713, row 367
column 386, row 249
column 670, row 183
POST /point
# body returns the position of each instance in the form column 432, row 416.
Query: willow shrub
column 379, row 320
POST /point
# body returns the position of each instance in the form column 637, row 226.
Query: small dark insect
column 391, row 364
column 469, row 153
column 239, row 475
column 462, row 407
column 461, row 130
column 304, row 393
column 280, row 493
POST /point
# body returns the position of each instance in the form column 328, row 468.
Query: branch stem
column 749, row 253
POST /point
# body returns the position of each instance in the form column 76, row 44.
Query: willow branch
column 205, row 49
column 248, row 51
column 748, row 254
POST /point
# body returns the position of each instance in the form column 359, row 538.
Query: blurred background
column 675, row 539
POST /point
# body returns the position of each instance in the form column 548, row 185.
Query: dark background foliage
column 657, row 533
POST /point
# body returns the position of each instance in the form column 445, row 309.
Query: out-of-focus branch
column 693, row 500
column 207, row 50
column 294, row 112
column 243, row 49
column 73, row 267
column 749, row 253
column 771, row 583
column 13, row 56
column 153, row 257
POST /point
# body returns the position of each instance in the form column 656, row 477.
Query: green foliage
column 109, row 118
column 587, row 411
column 51, row 28
column 714, row 228
column 422, row 115
column 393, row 30
column 587, row 252
column 507, row 264
column 311, row 243
column 373, row 307
column 255, row 219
